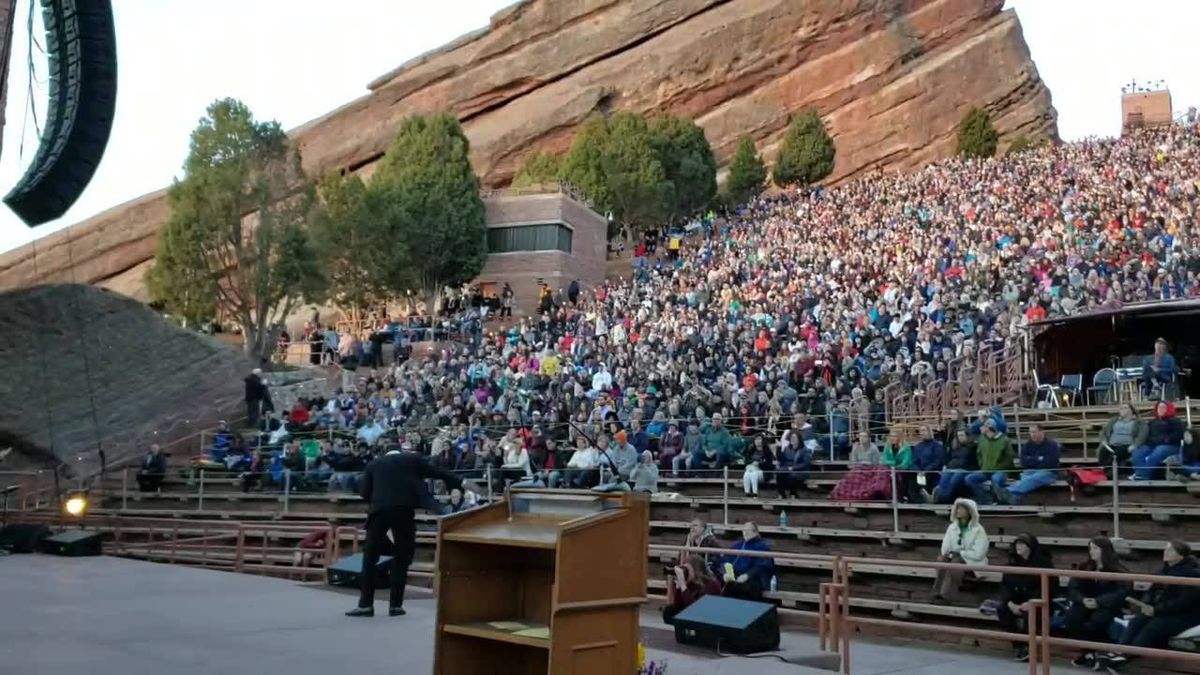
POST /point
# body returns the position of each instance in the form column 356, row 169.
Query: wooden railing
column 991, row 378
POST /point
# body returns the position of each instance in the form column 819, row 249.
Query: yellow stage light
column 76, row 506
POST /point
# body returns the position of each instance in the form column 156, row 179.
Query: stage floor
column 65, row 616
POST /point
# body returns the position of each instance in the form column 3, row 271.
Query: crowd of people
column 760, row 340
column 1089, row 609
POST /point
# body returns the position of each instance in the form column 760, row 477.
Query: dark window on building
column 548, row 237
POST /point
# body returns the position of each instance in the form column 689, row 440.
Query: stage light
column 76, row 506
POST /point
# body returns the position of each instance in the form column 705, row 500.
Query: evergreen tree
column 976, row 135
column 429, row 207
column 539, row 168
column 688, row 165
column 352, row 242
column 807, row 153
column 747, row 173
column 211, row 256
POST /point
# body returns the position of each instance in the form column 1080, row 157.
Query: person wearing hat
column 624, row 455
column 1159, row 369
column 995, row 453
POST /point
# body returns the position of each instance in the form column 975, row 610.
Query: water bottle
column 774, row 584
column 783, row 519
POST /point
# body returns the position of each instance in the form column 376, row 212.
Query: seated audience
column 961, row 462
column 760, row 463
column 583, row 467
column 795, row 461
column 1039, row 466
column 1188, row 467
column 152, row 471
column 928, row 458
column 688, row 582
column 670, row 446
column 1159, row 369
column 868, row 479
column 1120, row 435
column 1164, row 434
column 645, row 474
column 965, row 543
column 1095, row 602
column 995, row 453
column 1017, row 590
column 460, row 501
column 700, row 535
column 747, row 577
column 1165, row 610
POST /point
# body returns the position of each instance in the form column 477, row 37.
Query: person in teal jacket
column 717, row 448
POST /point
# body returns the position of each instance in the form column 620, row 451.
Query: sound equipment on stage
column 23, row 538
column 348, row 571
column 729, row 625
column 73, row 543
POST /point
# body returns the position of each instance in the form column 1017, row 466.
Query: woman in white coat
column 965, row 542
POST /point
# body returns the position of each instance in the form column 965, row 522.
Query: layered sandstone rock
column 891, row 77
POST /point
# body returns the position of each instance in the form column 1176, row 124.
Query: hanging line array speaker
column 81, row 47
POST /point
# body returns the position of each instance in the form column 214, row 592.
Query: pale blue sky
column 298, row 59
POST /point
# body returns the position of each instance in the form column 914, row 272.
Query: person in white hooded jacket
column 965, row 542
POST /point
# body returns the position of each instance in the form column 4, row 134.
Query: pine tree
column 976, row 136
column 747, row 173
column 807, row 153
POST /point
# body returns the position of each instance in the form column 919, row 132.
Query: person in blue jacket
column 747, row 577
column 1159, row 368
column 1039, row 456
column 928, row 458
column 995, row 414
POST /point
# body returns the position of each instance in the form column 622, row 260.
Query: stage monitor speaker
column 23, row 538
column 348, row 571
column 74, row 543
column 729, row 625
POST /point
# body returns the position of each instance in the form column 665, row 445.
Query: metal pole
column 1116, row 492
column 200, row 501
column 725, row 494
column 829, row 414
column 1187, row 405
column 287, row 488
column 488, row 473
column 125, row 488
column 895, row 505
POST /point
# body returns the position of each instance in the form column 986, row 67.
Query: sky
column 296, row 60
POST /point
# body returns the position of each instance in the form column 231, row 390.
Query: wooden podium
column 543, row 581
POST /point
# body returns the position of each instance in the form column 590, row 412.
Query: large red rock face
column 892, row 78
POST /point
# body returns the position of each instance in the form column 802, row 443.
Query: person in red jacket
column 688, row 583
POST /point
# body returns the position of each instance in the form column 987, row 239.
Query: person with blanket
column 868, row 478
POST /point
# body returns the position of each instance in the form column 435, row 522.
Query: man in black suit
column 393, row 485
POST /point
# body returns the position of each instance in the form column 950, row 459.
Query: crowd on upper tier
column 809, row 302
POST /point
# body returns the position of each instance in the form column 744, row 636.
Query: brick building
column 546, row 235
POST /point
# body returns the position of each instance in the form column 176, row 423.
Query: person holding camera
column 688, row 582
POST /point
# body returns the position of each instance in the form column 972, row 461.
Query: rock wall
column 892, row 78
column 88, row 369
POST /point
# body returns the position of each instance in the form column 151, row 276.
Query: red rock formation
column 892, row 78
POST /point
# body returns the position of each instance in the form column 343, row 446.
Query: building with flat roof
column 1145, row 108
column 545, row 235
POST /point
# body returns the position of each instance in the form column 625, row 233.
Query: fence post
column 725, row 494
column 125, row 488
column 200, row 501
column 488, row 473
column 895, row 505
column 287, row 488
column 240, row 556
column 832, row 435
column 1116, row 490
